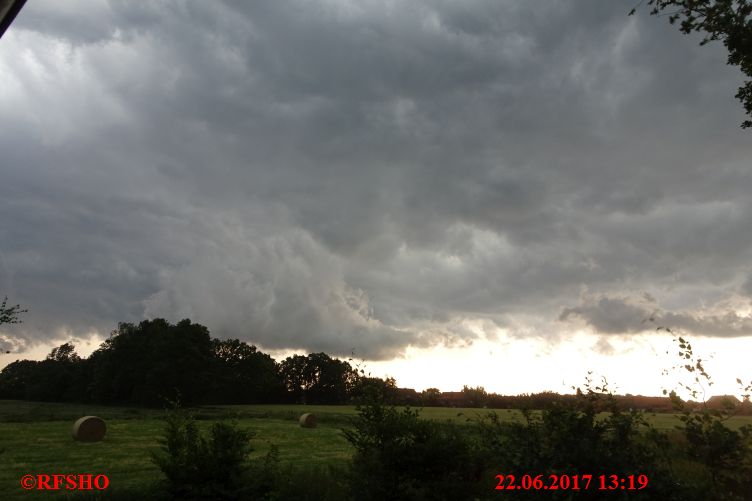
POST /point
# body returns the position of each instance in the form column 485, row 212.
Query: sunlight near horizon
column 513, row 366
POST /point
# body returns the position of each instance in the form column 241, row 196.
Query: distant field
column 36, row 438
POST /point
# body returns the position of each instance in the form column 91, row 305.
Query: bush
column 574, row 438
column 724, row 454
column 197, row 466
column 400, row 456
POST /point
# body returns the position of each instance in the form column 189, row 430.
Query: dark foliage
column 203, row 467
column 400, row 456
column 55, row 379
column 16, row 377
column 318, row 379
column 574, row 438
column 367, row 389
column 243, row 375
column 146, row 363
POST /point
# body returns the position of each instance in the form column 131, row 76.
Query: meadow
column 36, row 438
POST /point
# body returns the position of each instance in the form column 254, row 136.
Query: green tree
column 729, row 21
column 57, row 378
column 474, row 397
column 242, row 374
column 17, row 377
column 318, row 378
column 336, row 379
column 368, row 388
column 430, row 397
column 293, row 373
column 151, row 361
column 64, row 353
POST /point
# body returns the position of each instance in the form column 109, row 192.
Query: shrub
column 725, row 454
column 575, row 438
column 400, row 456
column 198, row 466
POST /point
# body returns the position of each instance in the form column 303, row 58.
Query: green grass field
column 36, row 438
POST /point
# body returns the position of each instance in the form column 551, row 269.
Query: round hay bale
column 307, row 420
column 89, row 429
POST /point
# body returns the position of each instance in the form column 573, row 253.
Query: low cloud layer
column 620, row 315
column 369, row 175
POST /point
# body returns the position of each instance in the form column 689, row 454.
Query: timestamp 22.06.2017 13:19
column 571, row 482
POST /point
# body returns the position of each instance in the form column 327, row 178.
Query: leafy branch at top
column 729, row 21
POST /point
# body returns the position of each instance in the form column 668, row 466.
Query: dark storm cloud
column 367, row 175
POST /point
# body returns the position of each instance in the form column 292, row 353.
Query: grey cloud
column 747, row 286
column 339, row 175
column 612, row 315
column 618, row 315
column 283, row 291
column 75, row 21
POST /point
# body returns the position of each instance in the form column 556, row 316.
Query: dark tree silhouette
column 318, row 378
column 242, row 374
column 64, row 353
column 155, row 361
column 368, row 388
column 151, row 361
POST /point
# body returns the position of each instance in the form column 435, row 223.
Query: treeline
column 478, row 397
column 155, row 361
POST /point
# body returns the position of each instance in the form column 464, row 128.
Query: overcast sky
column 370, row 175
